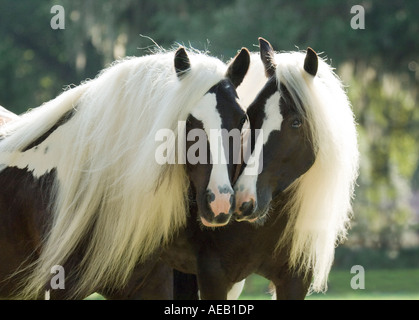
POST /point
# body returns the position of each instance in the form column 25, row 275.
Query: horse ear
column 182, row 63
column 267, row 55
column 311, row 62
column 238, row 68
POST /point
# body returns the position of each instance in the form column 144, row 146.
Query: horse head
column 210, row 158
column 280, row 144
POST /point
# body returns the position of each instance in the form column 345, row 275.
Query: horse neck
column 278, row 214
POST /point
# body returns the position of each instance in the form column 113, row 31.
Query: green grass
column 95, row 296
column 381, row 284
column 391, row 284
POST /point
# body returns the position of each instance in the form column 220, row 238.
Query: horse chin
column 218, row 222
column 261, row 219
column 247, row 220
column 258, row 217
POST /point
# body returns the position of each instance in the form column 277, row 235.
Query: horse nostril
column 247, row 208
column 210, row 196
column 222, row 219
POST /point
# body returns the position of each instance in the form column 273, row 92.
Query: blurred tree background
column 379, row 66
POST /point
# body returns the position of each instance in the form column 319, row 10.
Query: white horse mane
column 321, row 207
column 322, row 197
column 108, row 181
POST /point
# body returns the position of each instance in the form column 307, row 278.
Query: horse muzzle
column 245, row 208
column 220, row 208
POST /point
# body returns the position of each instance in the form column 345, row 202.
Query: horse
column 82, row 185
column 289, row 217
column 317, row 137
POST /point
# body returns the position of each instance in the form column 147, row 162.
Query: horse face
column 285, row 149
column 213, row 131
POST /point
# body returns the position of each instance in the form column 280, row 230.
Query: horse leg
column 292, row 286
column 185, row 286
column 212, row 279
column 236, row 290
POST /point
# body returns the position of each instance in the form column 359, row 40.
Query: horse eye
column 297, row 123
column 243, row 120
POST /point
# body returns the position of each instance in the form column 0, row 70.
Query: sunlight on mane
column 108, row 180
column 321, row 207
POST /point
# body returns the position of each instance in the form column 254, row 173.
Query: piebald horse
column 81, row 185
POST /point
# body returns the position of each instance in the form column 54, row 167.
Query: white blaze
column 207, row 112
column 246, row 184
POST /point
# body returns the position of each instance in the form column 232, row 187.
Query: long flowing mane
column 320, row 208
column 108, row 183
